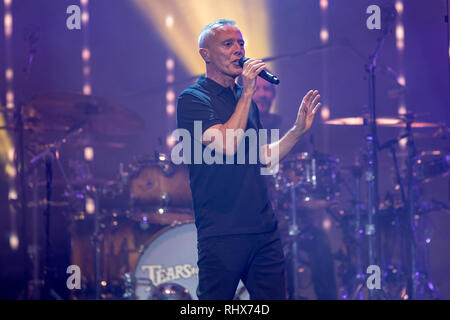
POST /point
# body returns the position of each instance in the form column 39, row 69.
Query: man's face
column 225, row 49
column 264, row 95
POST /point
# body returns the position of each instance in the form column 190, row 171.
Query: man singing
column 237, row 232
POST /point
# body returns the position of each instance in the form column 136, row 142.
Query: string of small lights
column 10, row 164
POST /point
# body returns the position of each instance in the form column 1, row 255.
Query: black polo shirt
column 227, row 198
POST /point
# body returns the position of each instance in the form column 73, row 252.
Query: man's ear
column 205, row 54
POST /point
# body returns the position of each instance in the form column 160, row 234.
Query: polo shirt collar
column 214, row 87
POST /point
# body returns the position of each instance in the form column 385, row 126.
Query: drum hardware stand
column 97, row 236
column 96, row 239
column 32, row 37
column 410, row 216
column 293, row 234
column 49, row 292
column 359, row 279
column 34, row 249
column 414, row 276
column 370, row 228
column 409, row 230
column 371, row 174
column 391, row 145
column 439, row 205
column 48, row 155
column 129, row 281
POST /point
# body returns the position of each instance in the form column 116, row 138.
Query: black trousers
column 256, row 259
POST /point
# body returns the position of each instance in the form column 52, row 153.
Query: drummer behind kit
column 133, row 236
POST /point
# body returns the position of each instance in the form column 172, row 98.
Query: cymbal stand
column 49, row 155
column 96, row 240
column 21, row 174
column 53, row 150
column 425, row 288
column 391, row 145
column 34, row 249
column 371, row 174
column 32, row 38
column 293, row 234
column 410, row 217
column 412, row 238
column 359, row 279
column 372, row 204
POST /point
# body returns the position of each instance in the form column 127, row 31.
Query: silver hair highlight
column 208, row 30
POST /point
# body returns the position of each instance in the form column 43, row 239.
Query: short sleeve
column 191, row 108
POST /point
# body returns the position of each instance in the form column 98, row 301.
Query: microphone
column 263, row 74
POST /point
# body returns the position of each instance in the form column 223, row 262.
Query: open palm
column 307, row 110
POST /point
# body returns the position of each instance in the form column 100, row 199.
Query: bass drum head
column 171, row 257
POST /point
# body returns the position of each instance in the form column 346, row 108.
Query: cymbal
column 44, row 202
column 165, row 217
column 80, row 143
column 382, row 122
column 7, row 127
column 65, row 111
column 77, row 182
column 7, row 110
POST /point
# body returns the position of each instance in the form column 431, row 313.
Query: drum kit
column 133, row 235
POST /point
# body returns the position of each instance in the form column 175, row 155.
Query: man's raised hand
column 307, row 110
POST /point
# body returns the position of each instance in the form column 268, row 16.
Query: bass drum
column 171, row 258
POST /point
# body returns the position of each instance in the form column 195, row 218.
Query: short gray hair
column 209, row 30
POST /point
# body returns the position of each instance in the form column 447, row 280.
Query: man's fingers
column 316, row 108
column 316, row 99
column 313, row 95
column 261, row 68
column 304, row 103
column 254, row 67
column 308, row 96
column 249, row 63
column 257, row 66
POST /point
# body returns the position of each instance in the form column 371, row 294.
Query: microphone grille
column 242, row 60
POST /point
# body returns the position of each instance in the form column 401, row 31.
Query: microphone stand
column 371, row 174
column 32, row 39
